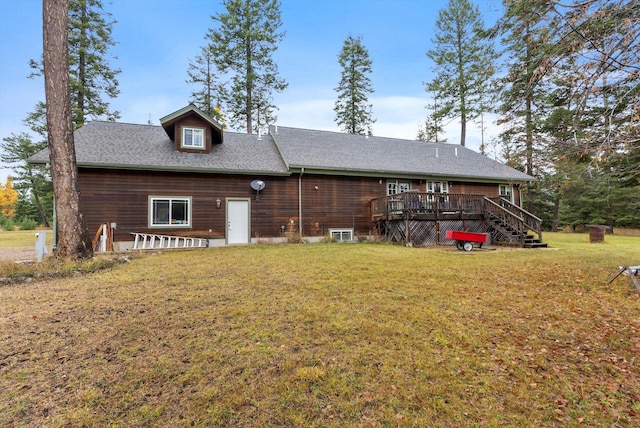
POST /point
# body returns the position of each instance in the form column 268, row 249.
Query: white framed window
column 395, row 187
column 169, row 211
column 506, row 192
column 441, row 187
column 192, row 138
column 437, row 187
column 341, row 235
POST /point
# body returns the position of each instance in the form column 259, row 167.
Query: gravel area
column 18, row 254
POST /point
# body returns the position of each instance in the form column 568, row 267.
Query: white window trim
column 170, row 199
column 509, row 189
column 339, row 233
column 195, row 130
column 444, row 190
column 444, row 186
column 397, row 187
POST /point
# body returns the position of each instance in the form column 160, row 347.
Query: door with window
column 506, row 192
column 437, row 194
column 238, row 221
column 394, row 187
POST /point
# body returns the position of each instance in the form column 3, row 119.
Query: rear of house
column 188, row 177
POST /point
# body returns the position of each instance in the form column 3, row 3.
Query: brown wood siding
column 122, row 197
column 490, row 190
column 338, row 202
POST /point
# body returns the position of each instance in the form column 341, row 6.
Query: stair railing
column 506, row 217
column 530, row 221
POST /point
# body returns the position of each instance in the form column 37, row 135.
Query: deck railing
column 419, row 202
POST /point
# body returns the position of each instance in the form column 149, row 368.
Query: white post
column 103, row 239
column 41, row 245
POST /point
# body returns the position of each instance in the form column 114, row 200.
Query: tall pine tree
column 353, row 110
column 527, row 40
column 242, row 45
column 602, row 37
column 207, row 93
column 464, row 62
column 91, row 78
column 92, row 82
column 71, row 238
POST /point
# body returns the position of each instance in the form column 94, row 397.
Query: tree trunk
column 249, row 79
column 64, row 173
column 36, row 196
column 556, row 212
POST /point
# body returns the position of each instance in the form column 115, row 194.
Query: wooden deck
column 428, row 205
column 422, row 219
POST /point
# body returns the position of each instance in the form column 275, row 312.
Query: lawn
column 330, row 335
column 22, row 238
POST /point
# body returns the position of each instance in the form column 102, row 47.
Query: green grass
column 22, row 238
column 330, row 335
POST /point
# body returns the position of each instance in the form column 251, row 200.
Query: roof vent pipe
column 276, row 126
column 436, row 152
column 259, row 134
column 456, row 151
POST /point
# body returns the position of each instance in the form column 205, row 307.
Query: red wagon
column 465, row 240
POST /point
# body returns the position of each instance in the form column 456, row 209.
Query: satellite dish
column 258, row 185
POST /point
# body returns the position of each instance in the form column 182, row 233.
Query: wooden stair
column 503, row 232
column 512, row 225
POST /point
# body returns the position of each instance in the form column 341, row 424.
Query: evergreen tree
column 602, row 37
column 463, row 56
column 208, row 92
column 430, row 131
column 242, row 45
column 527, row 39
column 32, row 181
column 432, row 127
column 570, row 106
column 92, row 80
column 353, row 111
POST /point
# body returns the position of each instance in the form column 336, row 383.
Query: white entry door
column 238, row 221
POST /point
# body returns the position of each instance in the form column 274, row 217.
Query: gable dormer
column 192, row 130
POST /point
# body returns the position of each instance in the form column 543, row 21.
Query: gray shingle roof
column 147, row 147
column 324, row 150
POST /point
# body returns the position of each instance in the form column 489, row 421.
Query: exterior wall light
column 218, row 203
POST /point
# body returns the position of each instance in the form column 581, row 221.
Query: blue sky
column 156, row 39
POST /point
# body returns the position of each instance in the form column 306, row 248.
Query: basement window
column 192, row 138
column 341, row 235
column 169, row 211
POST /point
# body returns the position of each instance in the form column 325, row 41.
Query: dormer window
column 193, row 138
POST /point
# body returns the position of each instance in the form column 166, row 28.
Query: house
column 190, row 178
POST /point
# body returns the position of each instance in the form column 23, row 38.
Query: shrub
column 7, row 224
column 28, row 224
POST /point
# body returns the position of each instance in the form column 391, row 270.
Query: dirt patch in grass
column 329, row 335
column 17, row 254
